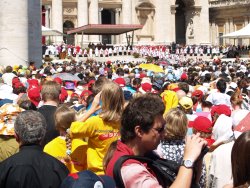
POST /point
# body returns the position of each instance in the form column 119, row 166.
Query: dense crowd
column 67, row 124
column 157, row 51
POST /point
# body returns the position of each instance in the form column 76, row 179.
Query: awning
column 105, row 29
column 241, row 34
column 50, row 32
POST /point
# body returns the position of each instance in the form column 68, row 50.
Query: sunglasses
column 159, row 130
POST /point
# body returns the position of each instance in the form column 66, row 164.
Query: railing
column 222, row 3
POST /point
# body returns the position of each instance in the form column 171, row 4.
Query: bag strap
column 118, row 165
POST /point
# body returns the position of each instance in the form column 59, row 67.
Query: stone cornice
column 195, row 10
column 223, row 3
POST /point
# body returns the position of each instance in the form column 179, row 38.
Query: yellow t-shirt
column 170, row 100
column 101, row 134
column 57, row 149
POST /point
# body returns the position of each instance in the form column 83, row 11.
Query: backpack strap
column 118, row 165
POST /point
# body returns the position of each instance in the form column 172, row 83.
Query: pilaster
column 57, row 19
column 94, row 19
column 82, row 19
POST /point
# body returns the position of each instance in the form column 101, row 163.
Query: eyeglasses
column 159, row 130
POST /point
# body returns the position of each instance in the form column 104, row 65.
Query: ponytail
column 67, row 158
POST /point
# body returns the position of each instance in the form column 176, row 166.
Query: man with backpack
column 142, row 127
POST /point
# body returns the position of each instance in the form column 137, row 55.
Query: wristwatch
column 187, row 163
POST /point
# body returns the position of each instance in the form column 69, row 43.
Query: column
column 217, row 35
column 213, row 33
column 57, row 19
column 47, row 19
column 173, row 12
column 231, row 29
column 126, row 16
column 93, row 19
column 227, row 29
column 163, row 23
column 82, row 19
column 231, row 25
column 201, row 28
column 100, row 20
column 47, row 16
column 117, row 21
column 245, row 41
column 20, row 39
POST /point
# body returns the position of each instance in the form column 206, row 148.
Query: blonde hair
column 112, row 102
column 50, row 91
column 176, row 124
column 64, row 116
column 236, row 98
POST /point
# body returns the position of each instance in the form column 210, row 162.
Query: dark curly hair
column 140, row 111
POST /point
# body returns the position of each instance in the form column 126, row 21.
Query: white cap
column 59, row 69
column 233, row 85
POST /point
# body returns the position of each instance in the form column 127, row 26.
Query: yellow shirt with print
column 101, row 134
column 57, row 149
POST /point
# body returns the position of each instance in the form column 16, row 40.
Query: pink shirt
column 137, row 176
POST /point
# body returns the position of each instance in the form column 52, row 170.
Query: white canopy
column 50, row 32
column 242, row 33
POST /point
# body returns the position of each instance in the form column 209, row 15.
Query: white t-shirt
column 220, row 166
column 7, row 78
column 218, row 98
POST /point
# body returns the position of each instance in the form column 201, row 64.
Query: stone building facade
column 164, row 21
column 20, row 32
column 226, row 16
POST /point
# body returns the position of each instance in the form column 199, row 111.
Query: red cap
column 15, row 80
column 184, row 76
column 85, row 93
column 147, row 87
column 221, row 109
column 58, row 80
column 74, row 95
column 120, row 81
column 142, row 75
column 33, row 83
column 202, row 124
column 91, row 82
column 197, row 93
column 34, row 95
column 64, row 94
column 17, row 85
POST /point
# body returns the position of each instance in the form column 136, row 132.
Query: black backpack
column 165, row 170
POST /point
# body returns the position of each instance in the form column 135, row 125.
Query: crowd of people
column 67, row 125
column 157, row 51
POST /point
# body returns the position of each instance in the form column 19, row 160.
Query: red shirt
column 121, row 150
